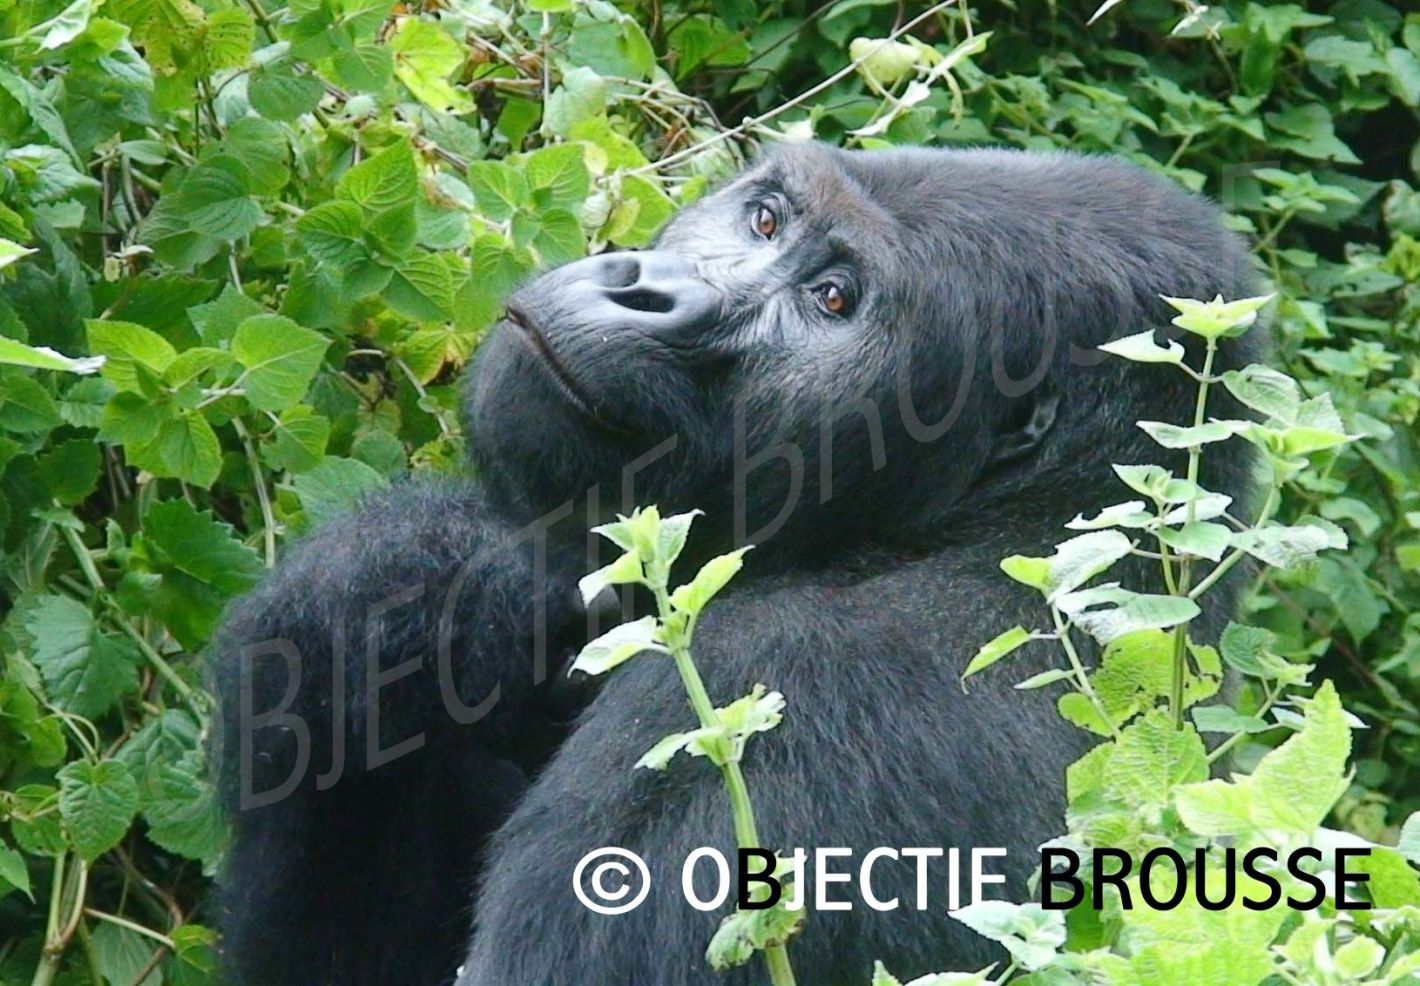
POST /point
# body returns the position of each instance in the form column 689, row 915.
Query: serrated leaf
column 215, row 200
column 382, row 181
column 98, row 802
column 1200, row 539
column 197, row 543
column 277, row 93
column 280, row 359
column 625, row 569
column 1295, row 786
column 85, row 671
column 126, row 347
column 334, row 485
column 333, row 233
column 424, row 58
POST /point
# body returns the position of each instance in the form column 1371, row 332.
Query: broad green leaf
column 422, row 288
column 197, row 543
column 279, row 357
column 85, row 671
column 277, row 93
column 1152, row 757
column 128, row 347
column 188, row 449
column 1128, row 514
column 333, row 233
column 11, row 252
column 331, row 487
column 1296, row 785
column 1137, row 612
column 1264, row 389
column 1287, row 546
column 424, row 58
column 14, row 874
column 215, row 199
column 383, row 181
column 557, row 176
column 97, row 802
column 498, row 189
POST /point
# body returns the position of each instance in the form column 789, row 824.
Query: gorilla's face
column 764, row 312
column 866, row 336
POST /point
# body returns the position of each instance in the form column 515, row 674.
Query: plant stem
column 776, row 957
column 1185, row 572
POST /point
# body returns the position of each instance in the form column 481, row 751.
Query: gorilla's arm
column 362, row 774
column 879, row 747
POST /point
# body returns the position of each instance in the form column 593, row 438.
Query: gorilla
column 879, row 367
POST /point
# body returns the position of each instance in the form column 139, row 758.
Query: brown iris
column 766, row 223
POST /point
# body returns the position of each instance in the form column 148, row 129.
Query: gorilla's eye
column 766, row 223
column 832, row 298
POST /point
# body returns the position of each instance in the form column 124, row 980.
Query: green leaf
column 557, row 177
column 10, row 252
column 14, row 874
column 277, row 93
column 1152, row 757
column 1287, row 546
column 280, row 359
column 334, row 485
column 1132, row 612
column 617, row 645
column 86, row 672
column 43, row 358
column 1216, row 318
column 182, row 810
column 422, row 288
column 333, row 233
column 261, row 146
column 625, row 569
column 188, row 449
column 128, row 347
column 197, row 543
column 1200, row 539
column 384, row 181
column 995, row 649
column 424, row 58
column 498, row 189
column 98, row 802
column 713, row 576
column 25, row 406
column 1030, row 933
column 1295, row 786
column 1264, row 389
column 215, row 199
column 1175, row 436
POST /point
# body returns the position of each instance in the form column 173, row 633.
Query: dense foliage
column 286, row 227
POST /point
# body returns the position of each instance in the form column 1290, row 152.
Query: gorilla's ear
column 1029, row 425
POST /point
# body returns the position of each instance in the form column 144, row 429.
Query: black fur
column 984, row 280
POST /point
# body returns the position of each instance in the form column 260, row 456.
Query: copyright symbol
column 609, row 893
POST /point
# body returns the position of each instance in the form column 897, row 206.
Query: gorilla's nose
column 653, row 290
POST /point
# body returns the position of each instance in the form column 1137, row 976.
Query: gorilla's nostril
column 643, row 300
column 621, row 272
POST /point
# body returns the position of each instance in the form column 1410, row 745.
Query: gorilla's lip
column 567, row 384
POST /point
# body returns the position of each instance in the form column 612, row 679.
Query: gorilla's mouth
column 566, row 383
